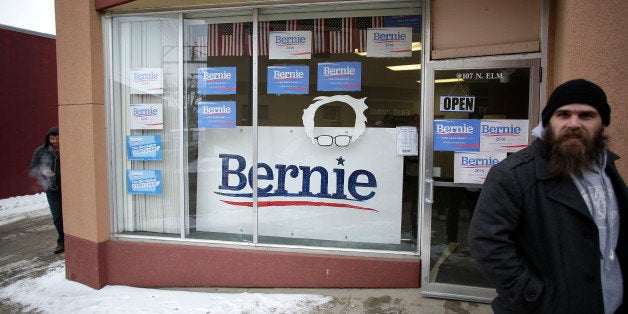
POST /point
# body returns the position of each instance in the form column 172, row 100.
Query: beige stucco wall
column 484, row 27
column 591, row 40
column 82, row 120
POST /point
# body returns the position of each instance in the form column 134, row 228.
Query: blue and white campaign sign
column 340, row 190
column 457, row 135
column 144, row 147
column 504, row 135
column 146, row 116
column 339, row 76
column 290, row 45
column 457, row 103
column 216, row 114
column 389, row 42
column 288, row 80
column 147, row 182
column 306, row 190
column 146, row 81
column 217, row 81
column 472, row 167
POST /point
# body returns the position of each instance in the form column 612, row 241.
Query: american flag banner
column 248, row 39
column 333, row 35
column 226, row 39
column 341, row 34
column 362, row 25
column 213, row 38
column 264, row 33
column 319, row 34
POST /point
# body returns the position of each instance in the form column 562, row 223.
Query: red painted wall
column 28, row 104
column 141, row 264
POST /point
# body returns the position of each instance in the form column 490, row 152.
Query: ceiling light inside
column 442, row 81
column 405, row 67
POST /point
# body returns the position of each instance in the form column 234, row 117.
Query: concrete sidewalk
column 374, row 301
column 27, row 247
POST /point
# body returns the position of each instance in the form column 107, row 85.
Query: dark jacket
column 533, row 236
column 44, row 158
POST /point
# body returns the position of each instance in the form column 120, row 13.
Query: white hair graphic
column 358, row 105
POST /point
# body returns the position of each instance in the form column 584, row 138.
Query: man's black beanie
column 577, row 91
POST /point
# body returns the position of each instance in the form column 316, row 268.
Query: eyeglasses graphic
column 328, row 140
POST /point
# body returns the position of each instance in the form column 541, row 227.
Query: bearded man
column 549, row 229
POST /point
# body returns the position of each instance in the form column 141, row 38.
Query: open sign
column 457, row 103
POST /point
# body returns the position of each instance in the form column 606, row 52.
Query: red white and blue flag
column 331, row 35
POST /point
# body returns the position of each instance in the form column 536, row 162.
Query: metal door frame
column 451, row 291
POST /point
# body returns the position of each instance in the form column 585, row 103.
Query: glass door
column 480, row 112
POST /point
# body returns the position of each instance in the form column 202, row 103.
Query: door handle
column 430, row 183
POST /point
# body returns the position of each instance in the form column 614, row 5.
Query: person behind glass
column 549, row 229
column 45, row 165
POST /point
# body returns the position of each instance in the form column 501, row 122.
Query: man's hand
column 48, row 173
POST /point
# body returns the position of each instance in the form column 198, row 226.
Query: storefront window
column 146, row 111
column 330, row 136
column 317, row 111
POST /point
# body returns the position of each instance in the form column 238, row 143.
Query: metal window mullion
column 254, row 100
column 182, row 167
column 111, row 159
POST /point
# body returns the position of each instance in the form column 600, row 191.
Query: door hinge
column 540, row 74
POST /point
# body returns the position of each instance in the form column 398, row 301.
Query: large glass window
column 146, row 127
column 299, row 126
column 330, row 142
column 218, row 80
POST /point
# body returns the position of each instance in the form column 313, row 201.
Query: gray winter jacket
column 533, row 236
column 44, row 158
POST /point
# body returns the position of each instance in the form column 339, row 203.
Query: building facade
column 305, row 144
column 29, row 103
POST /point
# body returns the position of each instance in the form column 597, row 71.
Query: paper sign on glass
column 217, row 81
column 472, row 167
column 305, row 190
column 504, row 135
column 390, row 42
column 146, row 116
column 288, row 80
column 407, row 141
column 217, row 114
column 457, row 135
column 457, row 103
column 146, row 182
column 290, row 45
column 339, row 76
column 147, row 81
column 144, row 147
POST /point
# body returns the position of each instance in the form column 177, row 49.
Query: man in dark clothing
column 46, row 165
column 549, row 229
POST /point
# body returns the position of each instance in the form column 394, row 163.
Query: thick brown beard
column 567, row 158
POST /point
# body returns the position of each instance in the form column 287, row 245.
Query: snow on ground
column 27, row 206
column 52, row 293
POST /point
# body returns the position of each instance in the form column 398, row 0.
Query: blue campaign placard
column 144, row 147
column 217, row 81
column 293, row 80
column 147, row 182
column 216, row 114
column 339, row 76
column 457, row 135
